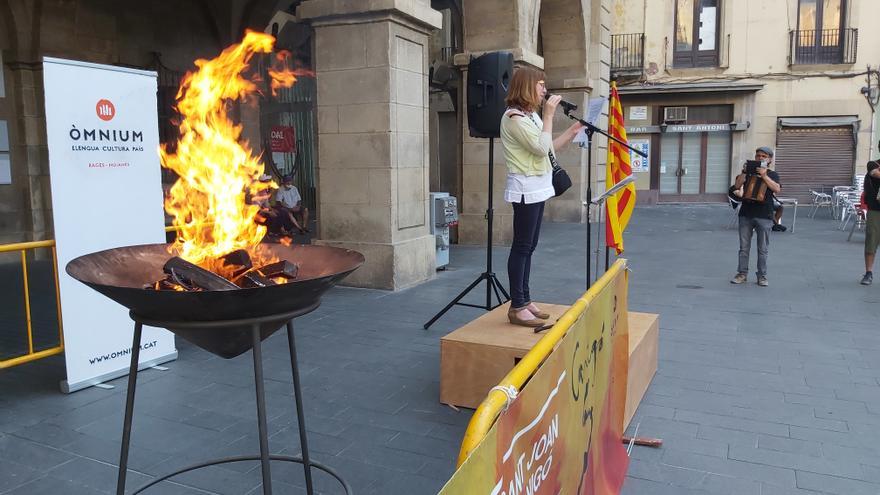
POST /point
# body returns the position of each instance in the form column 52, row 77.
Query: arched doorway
column 560, row 36
column 563, row 35
column 445, row 121
column 289, row 120
column 6, row 27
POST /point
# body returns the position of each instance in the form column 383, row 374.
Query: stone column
column 29, row 149
column 371, row 65
column 30, row 200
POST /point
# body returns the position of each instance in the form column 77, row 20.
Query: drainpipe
column 872, row 94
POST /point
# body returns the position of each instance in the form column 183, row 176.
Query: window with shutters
column 696, row 36
column 821, row 36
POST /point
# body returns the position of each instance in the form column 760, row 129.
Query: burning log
column 185, row 274
column 281, row 268
column 254, row 279
column 237, row 262
column 236, row 270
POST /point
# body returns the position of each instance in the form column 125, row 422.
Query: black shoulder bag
column 561, row 180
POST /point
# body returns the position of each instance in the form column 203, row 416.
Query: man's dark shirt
column 763, row 209
column 871, row 187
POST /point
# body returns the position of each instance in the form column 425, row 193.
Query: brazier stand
column 285, row 319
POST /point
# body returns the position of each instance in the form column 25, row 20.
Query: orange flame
column 218, row 173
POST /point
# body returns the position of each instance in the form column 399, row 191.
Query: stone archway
column 24, row 113
column 7, row 27
column 564, row 26
column 567, row 38
column 559, row 37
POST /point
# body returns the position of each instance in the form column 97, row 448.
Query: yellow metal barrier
column 486, row 414
column 32, row 355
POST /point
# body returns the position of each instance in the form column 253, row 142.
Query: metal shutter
column 813, row 158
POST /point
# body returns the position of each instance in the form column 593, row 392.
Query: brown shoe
column 516, row 320
column 537, row 312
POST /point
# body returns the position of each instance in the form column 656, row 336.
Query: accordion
column 755, row 189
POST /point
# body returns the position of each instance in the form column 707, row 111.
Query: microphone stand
column 590, row 129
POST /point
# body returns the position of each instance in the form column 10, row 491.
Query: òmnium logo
column 104, row 139
column 105, row 110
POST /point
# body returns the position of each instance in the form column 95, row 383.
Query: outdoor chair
column 837, row 197
column 861, row 217
column 819, row 200
column 736, row 205
column 859, row 182
column 851, row 202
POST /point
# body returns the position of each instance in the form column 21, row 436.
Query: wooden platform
column 644, row 336
column 475, row 357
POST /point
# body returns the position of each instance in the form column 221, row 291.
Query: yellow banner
column 561, row 435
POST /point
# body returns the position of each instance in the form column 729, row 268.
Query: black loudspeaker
column 487, row 83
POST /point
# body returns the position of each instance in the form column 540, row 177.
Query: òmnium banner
column 562, row 433
column 106, row 182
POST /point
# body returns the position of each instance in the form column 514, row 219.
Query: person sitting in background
column 777, row 217
column 289, row 203
column 276, row 221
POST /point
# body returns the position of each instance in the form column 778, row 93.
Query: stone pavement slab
column 760, row 391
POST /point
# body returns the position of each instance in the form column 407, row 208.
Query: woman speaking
column 528, row 139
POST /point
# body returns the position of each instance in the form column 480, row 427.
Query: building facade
column 705, row 82
column 382, row 123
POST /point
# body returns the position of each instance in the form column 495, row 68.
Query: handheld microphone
column 566, row 106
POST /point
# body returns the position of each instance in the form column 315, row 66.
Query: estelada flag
column 618, row 207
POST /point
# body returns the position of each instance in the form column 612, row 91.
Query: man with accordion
column 759, row 185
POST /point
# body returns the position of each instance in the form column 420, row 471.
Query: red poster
column 282, row 139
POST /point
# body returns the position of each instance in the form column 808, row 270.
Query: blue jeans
column 762, row 226
column 526, row 229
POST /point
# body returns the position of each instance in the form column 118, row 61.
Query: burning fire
column 218, row 173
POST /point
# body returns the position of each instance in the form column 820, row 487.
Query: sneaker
column 779, row 228
column 740, row 278
column 868, row 278
column 762, row 281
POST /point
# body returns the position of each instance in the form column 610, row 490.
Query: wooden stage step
column 475, row 357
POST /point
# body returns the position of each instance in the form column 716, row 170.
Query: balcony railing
column 826, row 46
column 627, row 52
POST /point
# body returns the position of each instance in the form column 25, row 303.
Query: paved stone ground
column 761, row 391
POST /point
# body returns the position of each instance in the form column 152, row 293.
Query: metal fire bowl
column 121, row 274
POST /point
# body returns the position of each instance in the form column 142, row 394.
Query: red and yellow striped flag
column 619, row 207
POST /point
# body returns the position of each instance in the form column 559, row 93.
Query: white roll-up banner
column 103, row 138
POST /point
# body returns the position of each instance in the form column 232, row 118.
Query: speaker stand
column 492, row 283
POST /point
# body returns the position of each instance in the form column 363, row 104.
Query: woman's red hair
column 523, row 94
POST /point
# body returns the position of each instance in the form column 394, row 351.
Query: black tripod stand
column 590, row 129
column 492, row 283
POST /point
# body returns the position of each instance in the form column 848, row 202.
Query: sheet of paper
column 594, row 111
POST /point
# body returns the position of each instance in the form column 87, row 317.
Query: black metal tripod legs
column 265, row 456
column 492, row 283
